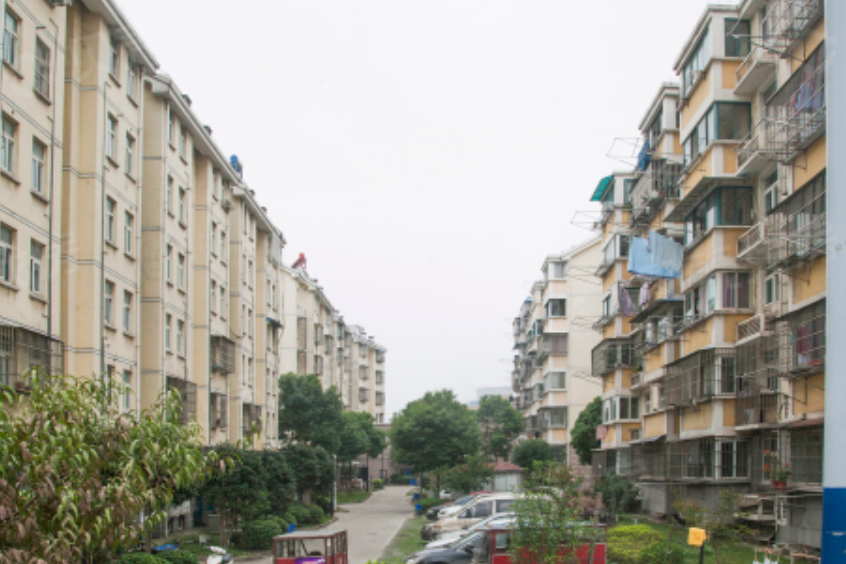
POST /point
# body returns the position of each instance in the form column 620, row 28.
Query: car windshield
column 487, row 521
column 472, row 540
column 463, row 500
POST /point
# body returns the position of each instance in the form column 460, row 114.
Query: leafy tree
column 378, row 441
column 618, row 492
column 583, row 437
column 308, row 413
column 529, row 451
column 547, row 526
column 500, row 424
column 721, row 522
column 281, row 482
column 77, row 473
column 240, row 493
column 355, row 440
column 470, row 476
column 434, row 431
column 313, row 468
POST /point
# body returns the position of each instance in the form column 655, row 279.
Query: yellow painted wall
column 700, row 336
column 729, row 74
column 816, row 160
column 730, row 326
column 808, row 283
column 697, row 420
column 558, row 398
column 609, row 279
column 699, row 256
column 697, row 99
column 809, row 398
column 701, row 169
column 627, row 430
column 610, row 435
column 655, row 425
column 558, row 362
column 729, row 413
column 729, row 159
column 655, row 359
column 608, row 331
column 811, row 42
column 730, row 237
column 608, row 382
column 627, row 377
column 559, row 435
column 627, row 326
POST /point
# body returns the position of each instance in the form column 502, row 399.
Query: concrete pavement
column 373, row 524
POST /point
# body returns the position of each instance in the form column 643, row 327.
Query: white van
column 475, row 511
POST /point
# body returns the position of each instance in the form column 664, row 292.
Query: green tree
column 77, row 473
column 308, row 413
column 241, row 492
column 721, row 523
column 529, row 451
column 470, row 476
column 500, row 424
column 583, row 437
column 618, row 493
column 313, row 468
column 355, row 440
column 434, row 431
column 281, row 482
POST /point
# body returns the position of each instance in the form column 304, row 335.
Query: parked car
column 449, row 537
column 472, row 513
column 456, row 507
column 459, row 552
column 445, row 494
column 432, row 514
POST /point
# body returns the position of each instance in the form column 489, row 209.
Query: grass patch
column 352, row 497
column 407, row 541
column 190, row 542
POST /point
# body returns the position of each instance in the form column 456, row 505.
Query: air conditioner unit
column 226, row 205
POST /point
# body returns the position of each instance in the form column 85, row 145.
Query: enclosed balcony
column 659, row 182
column 188, row 395
column 787, row 22
column 554, row 344
column 219, row 410
column 797, row 227
column 709, row 459
column 611, row 354
column 699, row 376
column 801, row 341
column 250, row 419
column 24, row 352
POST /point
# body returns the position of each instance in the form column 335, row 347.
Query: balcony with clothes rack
column 709, row 459
column 759, row 401
column 611, row 354
column 659, row 182
column 788, row 22
column 27, row 357
column 700, row 376
column 758, row 67
column 801, row 343
column 796, row 231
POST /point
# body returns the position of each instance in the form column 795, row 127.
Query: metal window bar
column 188, row 393
column 603, row 463
column 301, row 332
column 801, row 341
column 301, row 362
column 22, row 351
column 797, row 233
column 786, row 22
column 700, row 375
column 554, row 344
column 806, row 455
column 219, row 417
column 709, row 458
column 767, row 448
column 611, row 354
column 654, row 461
column 657, row 183
column 42, row 73
column 318, row 365
column 222, row 355
column 759, row 401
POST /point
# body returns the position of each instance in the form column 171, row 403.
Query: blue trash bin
column 292, row 528
column 413, row 482
column 416, row 496
column 419, row 508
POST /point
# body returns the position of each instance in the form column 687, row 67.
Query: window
column 42, row 69
column 771, row 194
column 738, row 41
column 180, row 271
column 250, row 272
column 127, row 312
column 736, row 290
column 723, row 206
column 11, row 39
column 618, row 408
column 213, row 296
column 108, row 303
column 7, row 257
column 481, row 510
column 7, row 151
column 36, row 252
column 180, row 337
column 223, row 246
column 617, row 248
column 214, row 238
column 556, row 308
column 38, row 177
column 223, row 302
column 267, row 289
column 728, row 290
column 111, row 137
column 170, row 126
column 130, row 152
column 250, row 322
column 169, row 195
column 131, row 82
column 127, row 232
column 127, row 382
column 114, row 56
column 723, row 120
column 695, row 66
column 771, row 289
column 183, row 141
column 216, row 184
column 557, row 269
column 168, row 324
column 606, row 306
column 111, row 207
column 181, row 204
column 168, row 262
column 556, row 381
column 557, row 417
column 656, row 127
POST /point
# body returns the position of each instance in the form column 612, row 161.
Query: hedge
column 627, row 542
column 142, row 558
column 257, row 535
column 178, row 557
column 378, row 484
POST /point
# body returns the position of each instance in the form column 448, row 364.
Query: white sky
column 425, row 155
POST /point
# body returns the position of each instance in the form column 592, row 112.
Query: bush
column 178, row 557
column 298, row 514
column 428, row 503
column 283, row 524
column 378, row 485
column 258, row 535
column 315, row 514
column 141, row 558
column 661, row 552
column 626, row 543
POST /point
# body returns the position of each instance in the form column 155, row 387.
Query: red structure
column 311, row 547
column 300, row 262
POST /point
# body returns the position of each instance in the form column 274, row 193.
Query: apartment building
column 31, row 196
column 727, row 359
column 551, row 377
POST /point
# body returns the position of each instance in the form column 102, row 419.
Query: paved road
column 373, row 524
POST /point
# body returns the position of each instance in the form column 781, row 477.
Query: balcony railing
column 751, row 328
column 806, row 455
column 709, row 459
column 788, row 22
column 700, row 375
column 22, row 352
column 802, row 340
column 754, row 70
column 612, row 354
column 659, row 182
column 751, row 240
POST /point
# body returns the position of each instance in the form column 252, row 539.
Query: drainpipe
column 138, row 240
column 834, row 457
column 103, row 235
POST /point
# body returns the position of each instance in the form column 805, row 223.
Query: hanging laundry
column 666, row 253
column 645, row 294
column 627, row 308
column 640, row 262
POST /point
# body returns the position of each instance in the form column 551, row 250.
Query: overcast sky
column 425, row 155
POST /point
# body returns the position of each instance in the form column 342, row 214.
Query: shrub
column 315, row 514
column 141, row 558
column 378, row 484
column 661, row 552
column 428, row 503
column 626, row 543
column 401, row 479
column 178, row 557
column 299, row 514
column 258, row 535
column 283, row 524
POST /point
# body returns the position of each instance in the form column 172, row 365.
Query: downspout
column 103, row 236
column 165, row 279
column 138, row 240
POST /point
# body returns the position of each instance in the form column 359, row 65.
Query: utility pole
column 834, row 453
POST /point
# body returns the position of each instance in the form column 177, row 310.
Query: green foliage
column 661, row 552
column 428, row 503
column 142, row 558
column 77, row 472
column 470, row 476
column 360, row 436
column 721, row 522
column 281, row 481
column 378, row 484
column 178, row 557
column 258, row 535
column 306, row 514
column 529, row 451
column 500, row 424
column 309, row 414
column 619, row 494
column 583, row 436
column 547, row 516
column 627, row 543
column 433, row 432
column 242, row 492
column 313, row 467
column 401, row 479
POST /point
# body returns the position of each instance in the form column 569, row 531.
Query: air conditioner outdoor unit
column 226, row 205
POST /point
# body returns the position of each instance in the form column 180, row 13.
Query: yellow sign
column 696, row 537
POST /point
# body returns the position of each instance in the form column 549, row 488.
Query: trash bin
column 419, row 508
column 416, row 496
column 292, row 528
column 413, row 482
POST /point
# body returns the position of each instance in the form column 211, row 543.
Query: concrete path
column 373, row 524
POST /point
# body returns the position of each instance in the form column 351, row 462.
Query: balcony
column 22, row 352
column 250, row 419
column 554, row 344
column 797, row 239
column 754, row 71
column 754, row 327
column 188, row 394
column 657, row 184
column 611, row 354
column 752, row 245
column 699, row 376
column 222, row 355
column 801, row 342
column 806, row 455
column 219, row 411
column 788, row 22
column 709, row 459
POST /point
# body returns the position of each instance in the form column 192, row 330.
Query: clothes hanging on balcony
column 645, row 295
column 640, row 262
column 666, row 253
column 644, row 157
column 627, row 307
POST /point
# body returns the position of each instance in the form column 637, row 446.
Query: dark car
column 432, row 514
column 460, row 552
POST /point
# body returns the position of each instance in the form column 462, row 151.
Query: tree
column 355, row 439
column 470, row 476
column 583, row 437
column 281, row 482
column 77, row 472
column 618, row 493
column 529, row 451
column 241, row 492
column 500, row 424
column 434, row 431
column 313, row 468
column 308, row 413
column 721, row 522
column 547, row 526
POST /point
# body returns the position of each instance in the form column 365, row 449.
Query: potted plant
column 777, row 472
